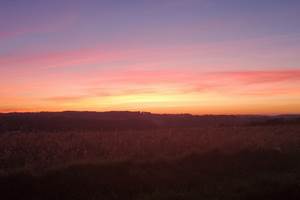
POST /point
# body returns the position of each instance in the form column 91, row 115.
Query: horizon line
column 153, row 113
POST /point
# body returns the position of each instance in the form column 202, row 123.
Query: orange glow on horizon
column 168, row 91
column 192, row 102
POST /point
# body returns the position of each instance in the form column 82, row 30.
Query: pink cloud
column 59, row 59
column 257, row 77
column 221, row 55
column 275, row 82
column 186, row 76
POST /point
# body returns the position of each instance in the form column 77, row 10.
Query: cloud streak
column 166, row 82
column 110, row 89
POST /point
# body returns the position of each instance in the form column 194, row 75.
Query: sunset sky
column 161, row 56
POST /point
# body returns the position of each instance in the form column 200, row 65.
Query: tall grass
column 42, row 150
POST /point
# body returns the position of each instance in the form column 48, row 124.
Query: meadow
column 250, row 161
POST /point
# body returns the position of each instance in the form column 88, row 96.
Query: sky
column 161, row 56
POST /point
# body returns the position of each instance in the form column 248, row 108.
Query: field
column 244, row 161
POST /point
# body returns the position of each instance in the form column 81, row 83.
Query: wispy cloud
column 179, row 76
column 263, row 76
column 66, row 98
column 164, row 82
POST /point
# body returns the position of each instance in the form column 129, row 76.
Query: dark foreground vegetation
column 123, row 155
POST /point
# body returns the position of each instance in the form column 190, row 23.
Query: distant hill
column 115, row 120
